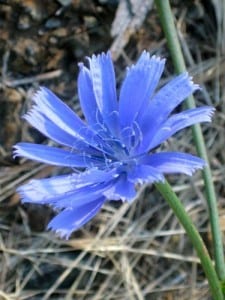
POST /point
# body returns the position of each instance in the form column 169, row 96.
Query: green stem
column 178, row 209
column 166, row 16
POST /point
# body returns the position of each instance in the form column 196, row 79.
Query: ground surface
column 136, row 251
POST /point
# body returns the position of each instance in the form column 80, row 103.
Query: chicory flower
column 115, row 148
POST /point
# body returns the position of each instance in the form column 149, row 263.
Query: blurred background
column 128, row 251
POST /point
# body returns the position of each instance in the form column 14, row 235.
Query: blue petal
column 60, row 114
column 66, row 191
column 145, row 173
column 78, row 197
column 55, row 156
column 138, row 86
column 87, row 97
column 53, row 131
column 104, row 85
column 174, row 162
column 180, row 121
column 122, row 189
column 70, row 220
column 162, row 104
column 42, row 191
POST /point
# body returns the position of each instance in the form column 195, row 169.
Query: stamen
column 138, row 136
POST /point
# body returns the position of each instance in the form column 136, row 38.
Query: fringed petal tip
column 199, row 164
column 23, row 197
column 174, row 162
column 156, row 58
column 194, row 165
column 39, row 94
column 16, row 151
column 147, row 61
column 186, row 78
column 193, row 85
column 28, row 194
column 29, row 114
column 72, row 219
column 145, row 55
column 80, row 65
column 61, row 233
column 210, row 112
column 103, row 55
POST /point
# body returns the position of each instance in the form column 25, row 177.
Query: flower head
column 114, row 148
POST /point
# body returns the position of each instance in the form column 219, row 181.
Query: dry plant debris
column 136, row 251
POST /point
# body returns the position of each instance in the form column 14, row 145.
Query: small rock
column 24, row 22
column 53, row 23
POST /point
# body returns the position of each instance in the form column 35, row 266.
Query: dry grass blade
column 129, row 251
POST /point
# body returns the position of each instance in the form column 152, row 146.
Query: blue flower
column 114, row 150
